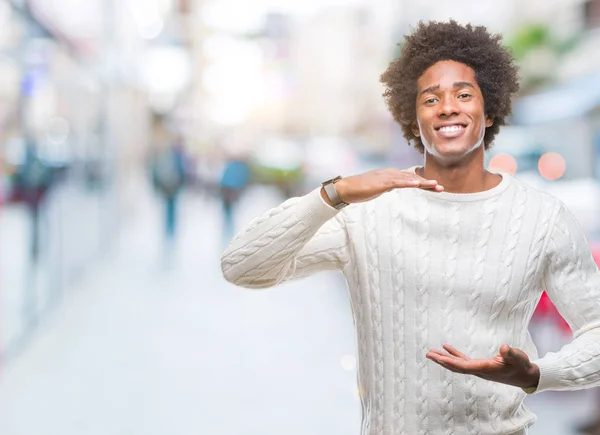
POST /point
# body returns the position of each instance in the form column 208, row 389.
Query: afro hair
column 495, row 72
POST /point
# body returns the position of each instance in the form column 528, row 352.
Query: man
column 445, row 262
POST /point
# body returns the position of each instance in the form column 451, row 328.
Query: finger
column 421, row 184
column 429, row 184
column 425, row 182
column 438, row 356
column 437, row 188
column 402, row 181
column 438, row 352
column 453, row 369
column 453, row 351
column 508, row 353
column 416, row 181
column 452, row 365
column 447, row 367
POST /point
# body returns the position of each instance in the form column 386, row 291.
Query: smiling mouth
column 451, row 128
column 452, row 131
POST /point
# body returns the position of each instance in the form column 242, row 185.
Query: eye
column 430, row 100
column 464, row 95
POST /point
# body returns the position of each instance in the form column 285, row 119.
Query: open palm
column 510, row 366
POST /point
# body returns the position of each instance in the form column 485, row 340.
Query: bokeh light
column 357, row 393
column 552, row 166
column 151, row 29
column 503, row 163
column 348, row 362
column 58, row 130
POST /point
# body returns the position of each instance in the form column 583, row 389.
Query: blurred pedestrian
column 447, row 254
column 234, row 180
column 168, row 176
column 32, row 181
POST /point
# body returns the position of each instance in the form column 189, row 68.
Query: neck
column 465, row 176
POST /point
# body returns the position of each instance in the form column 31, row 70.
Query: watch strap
column 332, row 194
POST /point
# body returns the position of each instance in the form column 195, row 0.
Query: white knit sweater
column 426, row 268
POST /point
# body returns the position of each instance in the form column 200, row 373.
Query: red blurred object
column 596, row 252
column 546, row 308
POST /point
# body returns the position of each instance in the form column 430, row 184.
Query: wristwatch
column 332, row 194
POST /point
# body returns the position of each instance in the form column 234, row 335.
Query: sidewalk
column 143, row 348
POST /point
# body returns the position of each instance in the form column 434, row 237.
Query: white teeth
column 451, row 128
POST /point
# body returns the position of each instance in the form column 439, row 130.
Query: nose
column 448, row 107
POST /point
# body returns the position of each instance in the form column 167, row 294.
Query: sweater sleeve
column 573, row 284
column 300, row 237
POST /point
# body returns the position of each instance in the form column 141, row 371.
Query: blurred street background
column 136, row 136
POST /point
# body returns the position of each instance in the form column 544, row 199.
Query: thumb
column 508, row 353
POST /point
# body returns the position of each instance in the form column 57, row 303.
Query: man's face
column 450, row 110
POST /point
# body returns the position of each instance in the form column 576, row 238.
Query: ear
column 415, row 129
column 489, row 121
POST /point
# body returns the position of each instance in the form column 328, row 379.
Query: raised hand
column 370, row 185
column 510, row 366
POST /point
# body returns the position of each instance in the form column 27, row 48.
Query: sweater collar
column 466, row 197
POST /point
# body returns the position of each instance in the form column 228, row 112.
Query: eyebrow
column 455, row 85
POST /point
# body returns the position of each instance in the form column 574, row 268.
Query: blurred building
column 562, row 114
column 79, row 90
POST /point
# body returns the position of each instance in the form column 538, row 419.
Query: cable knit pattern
column 508, row 256
column 277, row 259
column 532, row 269
column 248, row 250
column 515, row 224
column 542, row 232
column 482, row 238
column 357, row 310
column 437, row 281
column 375, row 303
column 452, row 232
column 277, row 211
column 398, row 318
column 359, row 323
column 422, row 313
